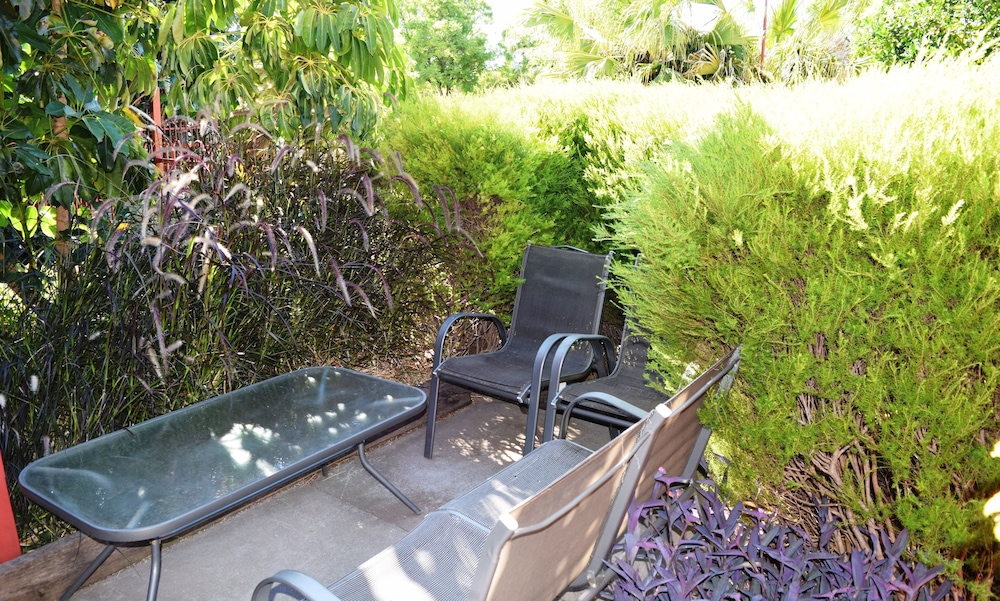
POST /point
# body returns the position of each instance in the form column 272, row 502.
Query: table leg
column 105, row 554
column 154, row 570
column 383, row 481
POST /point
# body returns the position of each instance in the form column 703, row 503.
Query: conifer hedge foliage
column 849, row 237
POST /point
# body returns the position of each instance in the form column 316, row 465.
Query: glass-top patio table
column 157, row 479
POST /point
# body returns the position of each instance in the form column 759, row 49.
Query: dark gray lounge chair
column 562, row 292
column 554, row 539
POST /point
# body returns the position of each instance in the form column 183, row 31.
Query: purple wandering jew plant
column 687, row 543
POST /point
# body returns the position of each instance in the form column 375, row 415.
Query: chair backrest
column 562, row 522
column 688, row 401
column 562, row 290
column 561, row 536
column 633, row 355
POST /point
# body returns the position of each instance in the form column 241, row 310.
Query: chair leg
column 549, row 426
column 432, row 403
column 533, row 409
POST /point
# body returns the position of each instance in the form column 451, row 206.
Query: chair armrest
column 603, row 347
column 302, row 585
column 594, row 397
column 454, row 318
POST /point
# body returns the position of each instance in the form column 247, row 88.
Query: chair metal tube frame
column 435, row 387
column 602, row 347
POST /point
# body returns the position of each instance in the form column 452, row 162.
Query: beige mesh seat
column 556, row 539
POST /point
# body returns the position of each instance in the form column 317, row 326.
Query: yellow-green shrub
column 539, row 163
column 490, row 171
column 847, row 236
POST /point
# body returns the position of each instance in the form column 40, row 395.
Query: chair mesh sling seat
column 562, row 292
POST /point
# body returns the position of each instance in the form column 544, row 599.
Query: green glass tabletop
column 157, row 478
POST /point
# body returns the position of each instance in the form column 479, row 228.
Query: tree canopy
column 296, row 63
column 448, row 50
column 77, row 78
column 644, row 40
column 900, row 30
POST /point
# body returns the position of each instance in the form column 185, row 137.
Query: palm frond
column 827, row 15
column 705, row 62
column 719, row 4
column 783, row 21
column 727, row 31
column 589, row 64
column 678, row 37
column 558, row 23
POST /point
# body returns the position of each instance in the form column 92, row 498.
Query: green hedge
column 491, row 172
column 538, row 164
column 843, row 232
column 847, row 236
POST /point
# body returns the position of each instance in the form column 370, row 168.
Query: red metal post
column 10, row 546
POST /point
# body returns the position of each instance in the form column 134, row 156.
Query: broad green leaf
column 827, row 14
column 704, row 62
column 177, row 28
column 47, row 222
column 195, row 17
column 167, row 25
column 15, row 131
column 5, row 208
column 727, row 32
column 326, row 31
column 102, row 124
column 321, row 32
column 183, row 54
column 305, row 82
column 335, row 117
column 110, row 24
column 74, row 90
column 379, row 68
column 783, row 20
column 347, row 17
column 139, row 71
column 27, row 224
column 584, row 63
column 65, row 172
column 304, row 28
column 560, row 24
column 371, row 37
column 338, row 42
column 33, row 158
column 56, row 109
column 95, row 126
column 385, row 33
column 37, row 182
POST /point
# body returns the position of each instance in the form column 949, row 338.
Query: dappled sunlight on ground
column 479, row 445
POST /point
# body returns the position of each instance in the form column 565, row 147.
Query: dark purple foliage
column 686, row 543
